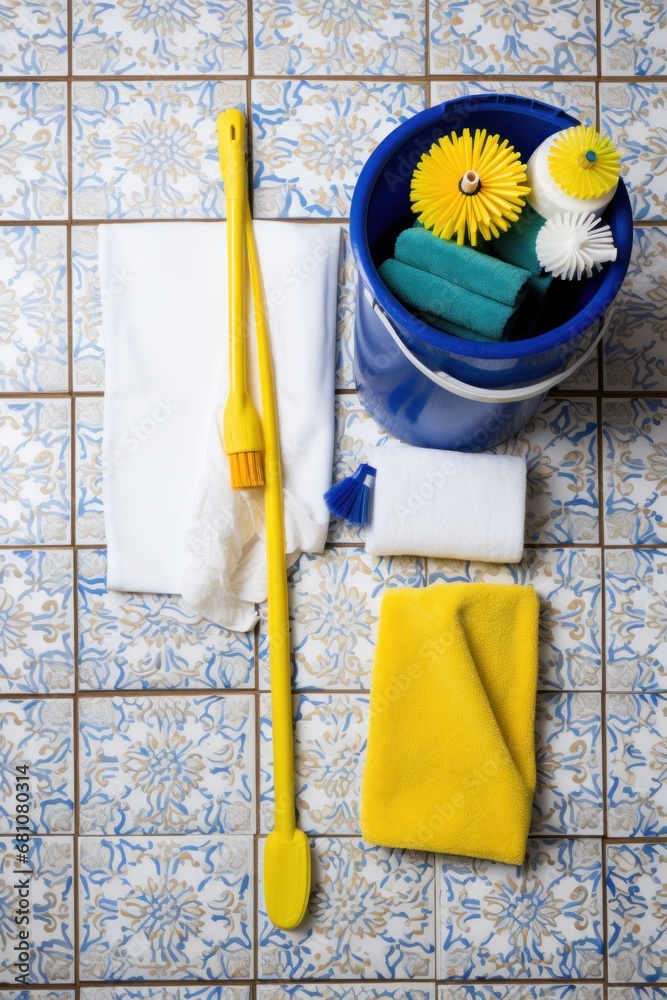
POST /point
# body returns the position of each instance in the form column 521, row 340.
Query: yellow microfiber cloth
column 450, row 765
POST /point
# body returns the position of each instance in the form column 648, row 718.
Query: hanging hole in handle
column 233, row 132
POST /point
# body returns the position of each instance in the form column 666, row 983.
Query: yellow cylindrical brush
column 468, row 185
column 242, row 428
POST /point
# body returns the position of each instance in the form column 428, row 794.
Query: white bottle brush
column 571, row 243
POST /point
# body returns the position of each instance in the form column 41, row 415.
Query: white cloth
column 173, row 523
column 447, row 504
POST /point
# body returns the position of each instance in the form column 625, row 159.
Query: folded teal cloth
column 468, row 268
column 517, row 245
column 447, row 326
column 429, row 293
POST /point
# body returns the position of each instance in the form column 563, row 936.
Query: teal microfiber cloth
column 517, row 245
column 447, row 326
column 429, row 293
column 465, row 267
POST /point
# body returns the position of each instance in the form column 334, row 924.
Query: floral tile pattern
column 541, row 921
column 636, row 350
column 310, row 140
column 36, row 740
column 631, row 113
column 89, row 504
column 521, row 39
column 329, row 752
column 149, row 150
column 560, row 445
column 304, row 37
column 33, row 150
column 128, row 885
column 33, row 309
column 577, row 97
column 636, row 619
column 636, row 912
column 51, row 957
column 634, row 42
column 568, row 582
column 139, row 641
column 194, row 992
column 335, row 602
column 501, row 992
column 35, row 472
column 166, row 765
column 87, row 350
column 346, row 991
column 637, row 764
column 36, row 621
column 635, row 466
column 34, row 39
column 568, row 796
column 370, row 916
column 132, row 37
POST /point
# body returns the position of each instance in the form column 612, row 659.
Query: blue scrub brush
column 349, row 498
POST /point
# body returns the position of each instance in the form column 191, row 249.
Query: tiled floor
column 148, row 729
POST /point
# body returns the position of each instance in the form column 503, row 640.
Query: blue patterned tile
column 87, row 348
column 36, row 621
column 148, row 150
column 307, row 38
column 370, row 916
column 34, row 38
column 43, row 995
column 311, row 139
column 35, row 472
column 635, row 470
column 633, row 114
column 519, row 39
column 139, row 641
column 166, row 765
column 37, row 736
column 89, row 505
column 194, row 992
column 329, row 752
column 636, row 619
column 637, row 912
column 568, row 582
column 577, row 97
column 633, row 41
column 499, row 991
column 180, row 37
column 568, row 796
column 335, row 601
column 636, row 993
column 540, row 921
column 637, row 765
column 33, row 150
column 560, row 445
column 346, row 991
column 636, row 349
column 165, row 908
column 51, row 953
column 33, row 309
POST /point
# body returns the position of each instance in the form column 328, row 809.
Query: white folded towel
column 174, row 525
column 447, row 504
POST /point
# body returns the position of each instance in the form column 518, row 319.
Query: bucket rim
column 506, row 350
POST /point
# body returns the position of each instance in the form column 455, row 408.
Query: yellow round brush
column 584, row 163
column 469, row 185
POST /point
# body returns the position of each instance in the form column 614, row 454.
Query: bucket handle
column 479, row 394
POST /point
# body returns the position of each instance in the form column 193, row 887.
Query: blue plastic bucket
column 430, row 388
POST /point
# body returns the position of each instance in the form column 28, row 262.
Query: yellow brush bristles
column 469, row 185
column 247, row 469
column 584, row 163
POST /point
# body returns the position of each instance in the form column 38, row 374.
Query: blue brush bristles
column 348, row 499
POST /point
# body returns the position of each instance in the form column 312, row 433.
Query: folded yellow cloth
column 450, row 765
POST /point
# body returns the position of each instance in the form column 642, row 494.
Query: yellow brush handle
column 278, row 604
column 231, row 126
column 287, row 866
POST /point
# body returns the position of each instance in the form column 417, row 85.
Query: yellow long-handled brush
column 242, row 428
